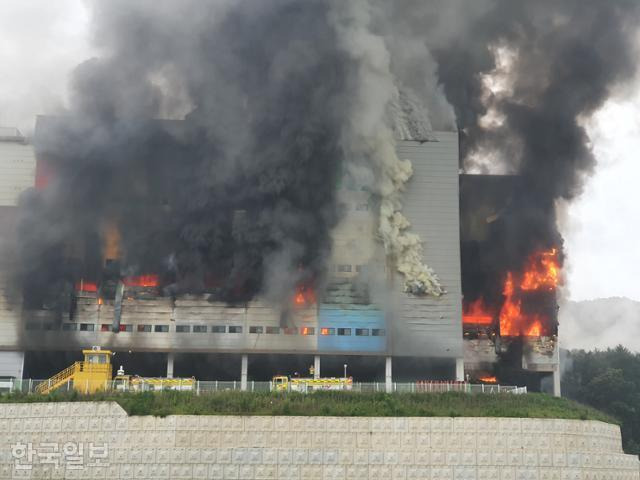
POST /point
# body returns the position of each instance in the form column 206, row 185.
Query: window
column 183, row 328
column 344, row 268
column 273, row 330
column 218, row 329
column 144, row 328
column 290, row 331
column 378, row 332
column 362, row 207
column 199, row 329
column 255, row 329
column 344, row 331
column 124, row 327
column 327, row 331
column 49, row 326
column 97, row 358
column 87, row 327
column 362, row 332
column 105, row 327
column 69, row 327
column 307, row 331
column 233, row 329
column 358, row 268
column 32, row 326
column 161, row 328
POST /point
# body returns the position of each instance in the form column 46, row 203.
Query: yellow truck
column 95, row 374
column 306, row 385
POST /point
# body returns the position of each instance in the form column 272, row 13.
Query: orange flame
column 476, row 313
column 488, row 379
column 84, row 286
column 510, row 311
column 535, row 330
column 304, row 296
column 111, row 241
column 541, row 274
column 148, row 280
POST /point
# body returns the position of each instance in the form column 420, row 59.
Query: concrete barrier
column 98, row 440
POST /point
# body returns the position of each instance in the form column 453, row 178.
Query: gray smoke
column 281, row 99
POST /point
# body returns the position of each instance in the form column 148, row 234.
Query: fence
column 198, row 387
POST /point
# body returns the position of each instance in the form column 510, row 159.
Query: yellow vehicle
column 95, row 373
column 306, row 385
column 134, row 383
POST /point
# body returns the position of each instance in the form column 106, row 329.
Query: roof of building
column 11, row 134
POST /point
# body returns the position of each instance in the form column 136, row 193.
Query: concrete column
column 316, row 366
column 388, row 378
column 556, row 372
column 460, row 369
column 170, row 360
column 243, row 372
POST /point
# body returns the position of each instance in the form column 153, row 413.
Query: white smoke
column 371, row 144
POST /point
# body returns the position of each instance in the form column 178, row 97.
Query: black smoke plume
column 279, row 97
column 561, row 61
column 240, row 195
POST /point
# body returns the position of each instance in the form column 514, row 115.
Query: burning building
column 509, row 310
column 361, row 312
column 245, row 185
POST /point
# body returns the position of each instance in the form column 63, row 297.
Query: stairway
column 58, row 379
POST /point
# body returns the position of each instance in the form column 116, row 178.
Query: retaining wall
column 259, row 447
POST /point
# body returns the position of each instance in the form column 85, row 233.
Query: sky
column 43, row 41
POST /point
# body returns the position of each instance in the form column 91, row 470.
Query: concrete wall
column 220, row 447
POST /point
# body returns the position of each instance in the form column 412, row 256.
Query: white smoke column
column 371, row 146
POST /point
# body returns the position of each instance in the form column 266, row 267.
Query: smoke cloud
column 281, row 99
column 522, row 79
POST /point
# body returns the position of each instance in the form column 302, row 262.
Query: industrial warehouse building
column 375, row 333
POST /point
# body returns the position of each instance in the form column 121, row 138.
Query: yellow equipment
column 134, row 383
column 89, row 376
column 305, row 385
column 95, row 374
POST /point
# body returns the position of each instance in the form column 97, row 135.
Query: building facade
column 364, row 313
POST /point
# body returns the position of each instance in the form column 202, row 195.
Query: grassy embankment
column 334, row 404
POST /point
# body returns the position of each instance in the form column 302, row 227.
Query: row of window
column 127, row 327
column 345, row 268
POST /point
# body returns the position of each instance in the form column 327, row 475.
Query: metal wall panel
column 17, row 170
column 425, row 325
column 11, row 364
column 331, row 316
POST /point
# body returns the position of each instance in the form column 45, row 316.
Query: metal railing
column 58, row 379
column 203, row 387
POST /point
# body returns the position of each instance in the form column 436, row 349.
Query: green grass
column 349, row 404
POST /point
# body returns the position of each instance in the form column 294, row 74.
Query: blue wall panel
column 330, row 316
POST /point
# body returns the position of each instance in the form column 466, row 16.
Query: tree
column 609, row 381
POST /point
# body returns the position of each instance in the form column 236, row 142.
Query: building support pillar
column 316, row 366
column 170, row 360
column 556, row 372
column 244, row 368
column 388, row 377
column 460, row 369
